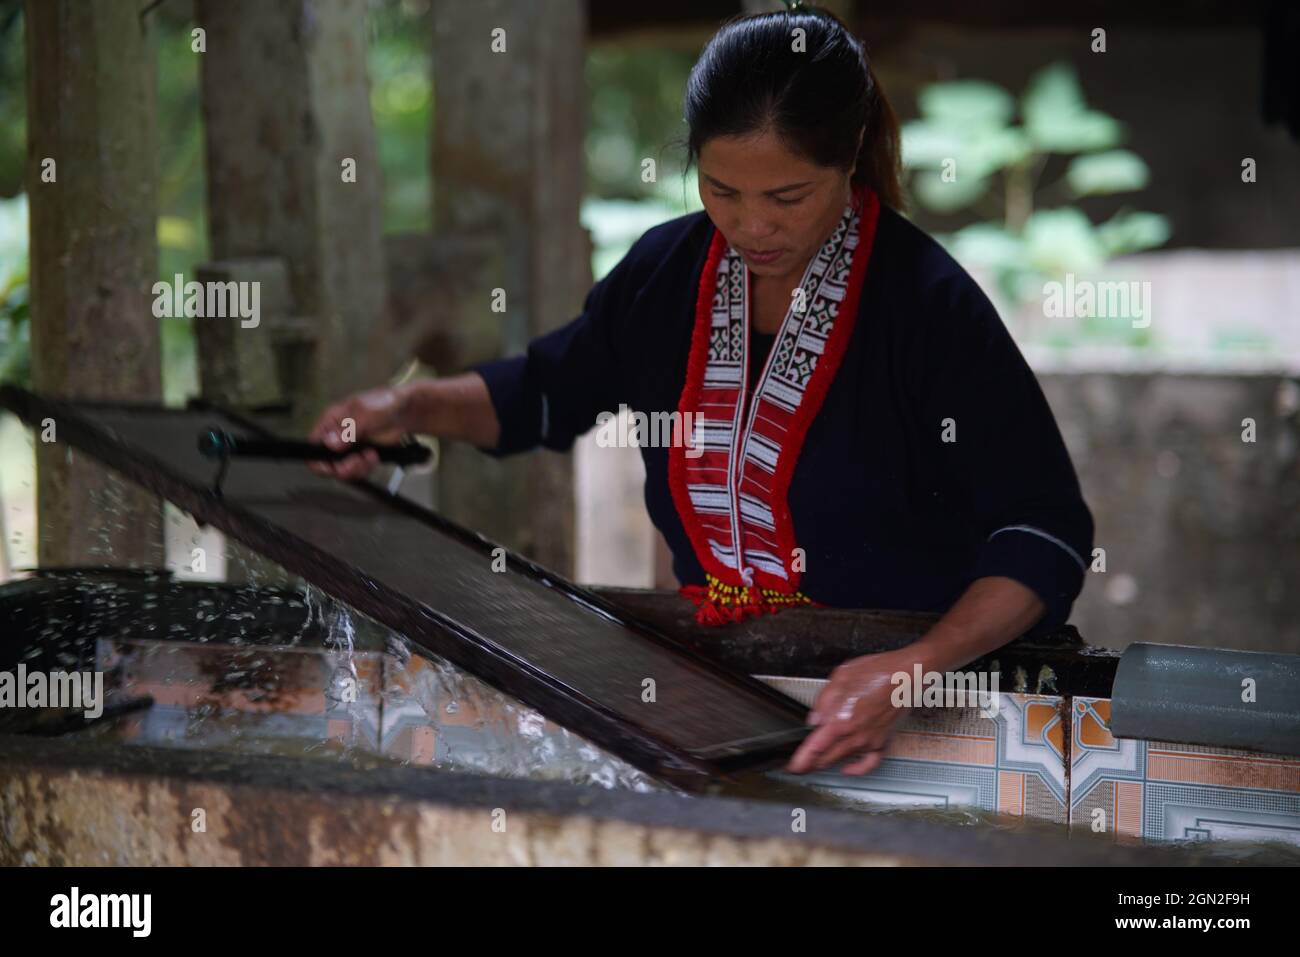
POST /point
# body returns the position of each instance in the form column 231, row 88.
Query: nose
column 752, row 226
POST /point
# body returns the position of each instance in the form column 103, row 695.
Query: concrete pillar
column 286, row 109
column 508, row 157
column 92, row 187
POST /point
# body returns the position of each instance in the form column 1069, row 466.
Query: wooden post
column 92, row 188
column 508, row 156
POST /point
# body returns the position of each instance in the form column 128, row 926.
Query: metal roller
column 1201, row 696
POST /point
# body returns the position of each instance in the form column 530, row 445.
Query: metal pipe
column 1210, row 696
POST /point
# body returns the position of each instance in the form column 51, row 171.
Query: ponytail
column 879, row 162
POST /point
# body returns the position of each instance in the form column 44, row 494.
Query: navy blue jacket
column 888, row 513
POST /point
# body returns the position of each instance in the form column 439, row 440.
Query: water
column 490, row 733
column 254, row 635
column 225, row 646
column 344, row 689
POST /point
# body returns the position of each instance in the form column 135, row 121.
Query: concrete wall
column 1201, row 529
column 66, row 804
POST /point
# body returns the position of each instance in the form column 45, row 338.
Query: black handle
column 219, row 444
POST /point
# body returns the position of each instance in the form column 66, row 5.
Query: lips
column 760, row 256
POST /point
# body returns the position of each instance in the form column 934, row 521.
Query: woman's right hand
column 375, row 415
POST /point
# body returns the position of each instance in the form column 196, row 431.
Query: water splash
column 343, row 692
column 483, row 730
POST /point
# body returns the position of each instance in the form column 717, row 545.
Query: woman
column 870, row 436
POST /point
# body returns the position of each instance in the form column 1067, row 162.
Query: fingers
column 843, row 747
column 368, row 416
column 374, row 415
column 854, row 716
column 850, row 730
column 357, row 466
column 328, row 428
column 328, row 432
column 808, row 754
column 866, row 764
column 831, row 742
column 835, row 741
column 353, row 467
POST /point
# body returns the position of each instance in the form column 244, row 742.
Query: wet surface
column 261, row 669
column 545, row 628
column 69, row 613
column 303, row 638
column 529, row 634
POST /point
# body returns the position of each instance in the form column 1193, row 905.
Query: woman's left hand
column 854, row 715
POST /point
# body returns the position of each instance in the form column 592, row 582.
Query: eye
column 718, row 195
column 791, row 202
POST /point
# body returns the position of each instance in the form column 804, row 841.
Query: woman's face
column 765, row 199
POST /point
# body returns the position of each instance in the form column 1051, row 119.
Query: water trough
column 399, row 705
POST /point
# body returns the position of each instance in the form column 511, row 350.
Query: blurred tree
column 14, row 355
column 635, row 113
column 966, row 152
column 13, row 99
column 401, row 100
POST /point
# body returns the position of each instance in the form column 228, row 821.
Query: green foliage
column 1057, row 120
column 182, row 224
column 13, row 99
column 634, row 114
column 14, row 331
column 401, row 101
column 182, row 229
column 967, row 153
column 15, row 353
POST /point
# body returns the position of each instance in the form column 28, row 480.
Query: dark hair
column 749, row 78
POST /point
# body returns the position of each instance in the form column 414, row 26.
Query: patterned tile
column 1012, row 763
column 1159, row 790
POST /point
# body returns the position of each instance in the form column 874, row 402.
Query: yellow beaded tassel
column 718, row 603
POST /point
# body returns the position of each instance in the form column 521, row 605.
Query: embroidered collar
column 731, row 490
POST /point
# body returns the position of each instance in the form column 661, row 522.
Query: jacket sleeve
column 553, row 392
column 1001, row 456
